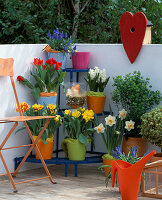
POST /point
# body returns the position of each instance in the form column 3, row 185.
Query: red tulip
column 38, row 62
column 58, row 65
column 20, row 78
column 51, row 62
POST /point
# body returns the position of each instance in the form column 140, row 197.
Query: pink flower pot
column 81, row 60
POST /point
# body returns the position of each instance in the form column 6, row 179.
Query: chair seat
column 23, row 118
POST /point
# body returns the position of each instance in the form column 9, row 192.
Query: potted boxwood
column 112, row 134
column 151, row 129
column 48, row 77
column 78, row 126
column 46, row 143
column 59, row 45
column 134, row 93
column 97, row 81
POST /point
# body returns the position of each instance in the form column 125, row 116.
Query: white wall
column 109, row 56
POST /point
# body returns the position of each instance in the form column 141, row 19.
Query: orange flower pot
column 132, row 141
column 107, row 162
column 129, row 176
column 45, row 149
column 96, row 103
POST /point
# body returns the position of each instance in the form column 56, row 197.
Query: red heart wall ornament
column 132, row 30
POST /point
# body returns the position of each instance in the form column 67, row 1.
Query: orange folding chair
column 6, row 69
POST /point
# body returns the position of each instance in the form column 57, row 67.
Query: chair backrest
column 6, row 69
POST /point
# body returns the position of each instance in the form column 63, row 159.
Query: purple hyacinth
column 134, row 150
column 117, row 152
column 49, row 34
column 57, row 30
column 65, row 36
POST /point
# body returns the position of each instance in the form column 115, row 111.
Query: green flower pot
column 73, row 149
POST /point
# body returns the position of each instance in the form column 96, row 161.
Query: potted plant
column 117, row 154
column 134, row 93
column 151, row 129
column 97, row 82
column 46, row 143
column 59, row 45
column 75, row 95
column 78, row 126
column 80, row 60
column 48, row 77
column 112, row 134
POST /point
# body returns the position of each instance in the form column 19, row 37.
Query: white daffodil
column 100, row 128
column 122, row 114
column 129, row 125
column 110, row 120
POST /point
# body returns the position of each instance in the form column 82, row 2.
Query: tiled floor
column 88, row 185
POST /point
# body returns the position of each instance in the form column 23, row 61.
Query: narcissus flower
column 88, row 115
column 20, row 78
column 122, row 114
column 76, row 114
column 129, row 125
column 67, row 112
column 57, row 118
column 23, row 106
column 100, row 128
column 110, row 120
column 38, row 62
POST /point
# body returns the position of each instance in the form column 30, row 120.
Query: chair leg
column 8, row 172
column 36, row 147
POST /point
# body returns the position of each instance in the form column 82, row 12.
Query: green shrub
column 134, row 93
column 151, row 126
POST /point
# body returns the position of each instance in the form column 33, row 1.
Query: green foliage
column 151, row 126
column 47, row 77
column 134, row 93
column 79, row 124
column 28, row 21
column 36, row 126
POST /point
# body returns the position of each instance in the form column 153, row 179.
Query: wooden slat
column 25, row 118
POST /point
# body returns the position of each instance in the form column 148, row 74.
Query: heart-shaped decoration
column 132, row 30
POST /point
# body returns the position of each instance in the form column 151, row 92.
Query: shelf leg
column 66, row 169
column 76, row 169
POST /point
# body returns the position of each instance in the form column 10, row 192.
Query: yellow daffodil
column 76, row 114
column 23, row 106
column 122, row 114
column 57, row 118
column 100, row 128
column 88, row 115
column 110, row 120
column 82, row 109
column 129, row 125
column 67, row 112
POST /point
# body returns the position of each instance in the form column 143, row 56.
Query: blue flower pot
column 59, row 57
column 47, row 98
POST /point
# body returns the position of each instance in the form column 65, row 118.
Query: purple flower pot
column 81, row 60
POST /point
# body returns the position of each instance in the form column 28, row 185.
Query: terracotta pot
column 96, row 103
column 75, row 106
column 106, row 162
column 47, row 98
column 45, row 149
column 132, row 141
